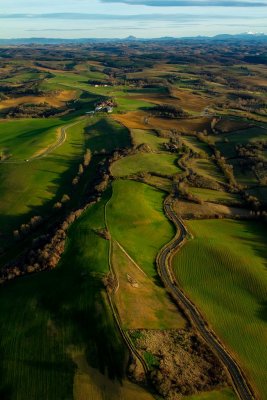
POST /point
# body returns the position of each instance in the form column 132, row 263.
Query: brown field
column 184, row 99
column 229, row 125
column 57, row 100
column 133, row 119
column 140, row 301
column 182, row 125
column 191, row 101
column 188, row 209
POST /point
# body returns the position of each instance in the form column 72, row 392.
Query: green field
column 165, row 164
column 209, row 169
column 32, row 188
column 45, row 316
column 23, row 138
column 148, row 137
column 137, row 221
column 223, row 269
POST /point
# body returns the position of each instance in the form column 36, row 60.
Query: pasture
column 148, row 137
column 136, row 220
column 223, row 270
column 140, row 301
column 21, row 139
column 163, row 164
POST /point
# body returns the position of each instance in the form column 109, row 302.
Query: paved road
column 163, row 261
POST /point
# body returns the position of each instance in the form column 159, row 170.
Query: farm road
column 164, row 266
column 59, row 142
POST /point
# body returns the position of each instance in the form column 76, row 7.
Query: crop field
column 142, row 231
column 182, row 125
column 165, row 164
column 55, row 100
column 223, row 270
column 46, row 315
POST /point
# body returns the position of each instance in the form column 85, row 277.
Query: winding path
column 164, row 258
column 59, row 142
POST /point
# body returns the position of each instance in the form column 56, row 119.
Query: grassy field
column 20, row 139
column 207, row 168
column 46, row 317
column 196, row 145
column 140, row 301
column 164, row 164
column 215, row 196
column 223, row 269
column 32, row 188
column 141, row 230
column 148, row 137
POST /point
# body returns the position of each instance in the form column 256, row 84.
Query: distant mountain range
column 247, row 37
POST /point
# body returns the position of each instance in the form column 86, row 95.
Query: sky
column 122, row 18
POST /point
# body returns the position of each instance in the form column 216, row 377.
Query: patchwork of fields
column 71, row 332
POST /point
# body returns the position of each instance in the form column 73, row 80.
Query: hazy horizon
column 140, row 18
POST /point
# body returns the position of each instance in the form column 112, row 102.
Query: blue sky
column 121, row 18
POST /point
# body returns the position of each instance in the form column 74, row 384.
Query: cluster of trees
column 45, row 252
column 41, row 110
column 86, row 161
column 169, row 111
column 25, row 229
column 227, row 169
column 253, row 150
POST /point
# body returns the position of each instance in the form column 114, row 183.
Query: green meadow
column 21, row 139
column 223, row 269
column 164, row 164
column 32, row 188
column 148, row 137
column 136, row 220
column 47, row 317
